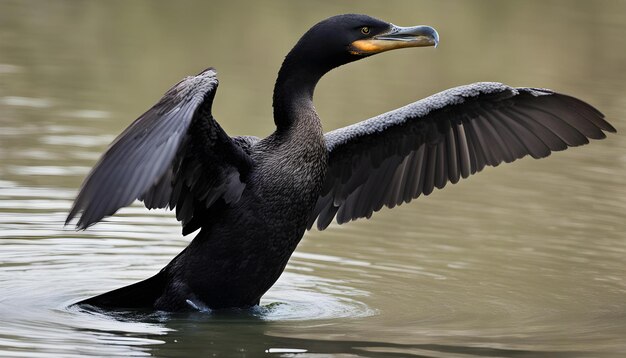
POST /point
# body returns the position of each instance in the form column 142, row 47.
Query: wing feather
column 465, row 151
column 397, row 156
column 174, row 155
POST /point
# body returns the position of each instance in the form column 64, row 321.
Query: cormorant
column 253, row 199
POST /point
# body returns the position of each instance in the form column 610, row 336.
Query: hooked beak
column 396, row 37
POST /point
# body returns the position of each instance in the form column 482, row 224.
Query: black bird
column 253, row 199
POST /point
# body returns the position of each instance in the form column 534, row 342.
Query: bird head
column 345, row 38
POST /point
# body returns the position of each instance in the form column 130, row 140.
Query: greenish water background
column 523, row 260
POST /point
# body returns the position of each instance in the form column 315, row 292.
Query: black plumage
column 452, row 134
column 252, row 198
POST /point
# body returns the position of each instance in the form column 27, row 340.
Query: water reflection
column 522, row 260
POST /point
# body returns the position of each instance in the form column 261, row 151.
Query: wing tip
column 599, row 119
column 71, row 215
column 609, row 128
column 81, row 224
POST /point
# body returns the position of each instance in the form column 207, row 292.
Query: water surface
column 523, row 260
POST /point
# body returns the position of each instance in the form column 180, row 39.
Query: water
column 523, row 260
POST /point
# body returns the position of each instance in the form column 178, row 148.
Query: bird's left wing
column 395, row 157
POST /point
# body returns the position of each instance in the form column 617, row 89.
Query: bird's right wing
column 397, row 156
column 174, row 155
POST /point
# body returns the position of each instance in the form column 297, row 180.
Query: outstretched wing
column 174, row 155
column 395, row 157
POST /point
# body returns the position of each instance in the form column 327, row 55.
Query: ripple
column 25, row 102
column 297, row 298
column 48, row 170
column 306, row 297
column 6, row 68
column 78, row 140
column 87, row 114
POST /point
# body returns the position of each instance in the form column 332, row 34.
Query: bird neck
column 293, row 92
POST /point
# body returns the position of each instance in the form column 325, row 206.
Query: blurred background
column 523, row 260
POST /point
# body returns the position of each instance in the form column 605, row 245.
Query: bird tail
column 142, row 294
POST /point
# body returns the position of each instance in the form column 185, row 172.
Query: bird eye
column 365, row 30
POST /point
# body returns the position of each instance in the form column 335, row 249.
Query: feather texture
column 397, row 156
column 175, row 155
